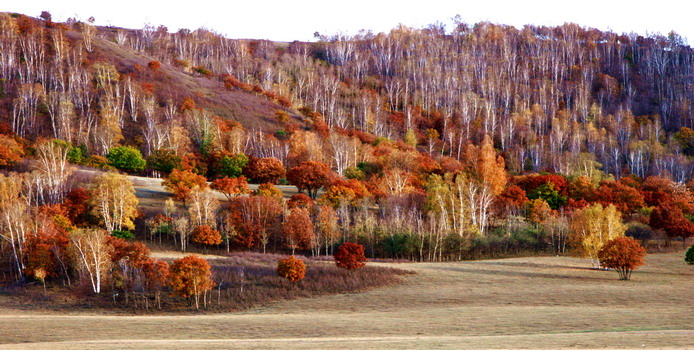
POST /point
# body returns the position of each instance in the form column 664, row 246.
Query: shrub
column 127, row 235
column 623, row 254
column 689, row 256
column 350, row 256
column 126, row 158
column 291, row 268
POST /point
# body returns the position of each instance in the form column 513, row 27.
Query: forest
column 425, row 144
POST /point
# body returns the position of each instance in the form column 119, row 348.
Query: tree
column 627, row 199
column 298, row 230
column 538, row 211
column 206, row 235
column 164, row 161
column 490, row 167
column 189, row 277
column 156, row 273
column 592, row 227
column 268, row 190
column 689, row 256
column 181, row 182
column 623, row 254
column 10, row 151
column 310, row 177
column 231, row 187
column 327, row 228
column 300, row 200
column 232, row 165
column 264, row 170
column 291, row 268
column 202, row 207
column 350, row 256
column 126, row 158
column 670, row 219
column 91, row 253
column 114, row 202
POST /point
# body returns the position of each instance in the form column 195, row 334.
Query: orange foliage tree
column 190, row 277
column 298, row 230
column 309, row 176
column 623, row 254
column 670, row 219
column 291, row 268
column 206, row 235
column 231, row 187
column 264, row 170
column 10, row 151
column 182, row 182
column 350, row 256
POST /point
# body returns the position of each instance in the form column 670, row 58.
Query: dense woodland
column 424, row 144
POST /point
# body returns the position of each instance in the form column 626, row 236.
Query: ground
column 535, row 302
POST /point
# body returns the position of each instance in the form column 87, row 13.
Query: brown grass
column 546, row 302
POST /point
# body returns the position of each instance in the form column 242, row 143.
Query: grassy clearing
column 545, row 302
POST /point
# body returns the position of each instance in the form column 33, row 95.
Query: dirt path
column 511, row 303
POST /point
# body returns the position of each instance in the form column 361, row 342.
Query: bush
column 126, row 158
column 127, row 235
column 623, row 254
column 291, row 268
column 689, row 256
column 350, row 256
column 639, row 231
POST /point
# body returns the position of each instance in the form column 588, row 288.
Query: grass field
column 543, row 302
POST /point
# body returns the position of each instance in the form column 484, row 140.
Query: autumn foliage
column 182, row 182
column 190, row 277
column 231, row 187
column 350, row 256
column 623, row 254
column 291, row 268
column 309, row 176
column 264, row 170
column 206, row 235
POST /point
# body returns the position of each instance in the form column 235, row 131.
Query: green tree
column 550, row 195
column 232, row 165
column 164, row 161
column 126, row 158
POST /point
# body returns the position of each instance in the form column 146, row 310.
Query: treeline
column 419, row 144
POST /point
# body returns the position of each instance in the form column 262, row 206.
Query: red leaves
column 623, row 254
column 670, row 219
column 264, row 170
column 291, row 268
column 310, row 177
column 231, row 187
column 206, row 235
column 350, row 256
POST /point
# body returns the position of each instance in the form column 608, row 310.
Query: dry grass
column 512, row 303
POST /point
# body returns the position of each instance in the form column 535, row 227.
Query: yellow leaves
column 114, row 201
column 595, row 225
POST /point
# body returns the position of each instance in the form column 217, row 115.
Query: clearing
column 538, row 302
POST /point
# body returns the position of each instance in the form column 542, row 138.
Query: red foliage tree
column 300, row 200
column 264, row 170
column 45, row 250
column 231, row 187
column 309, row 176
column 291, row 268
column 206, row 235
column 190, row 277
column 350, row 256
column 531, row 182
column 623, row 254
column 254, row 219
column 627, row 199
column 512, row 198
column 75, row 205
column 670, row 219
column 297, row 230
column 155, row 273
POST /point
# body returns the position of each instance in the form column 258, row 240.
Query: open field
column 542, row 302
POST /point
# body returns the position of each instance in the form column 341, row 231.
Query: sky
column 298, row 19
